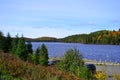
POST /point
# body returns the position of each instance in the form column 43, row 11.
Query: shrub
column 85, row 74
column 72, row 62
column 101, row 75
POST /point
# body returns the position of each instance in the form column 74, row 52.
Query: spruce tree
column 21, row 50
column 43, row 55
column 2, row 39
column 29, row 47
column 35, row 57
column 7, row 43
column 14, row 44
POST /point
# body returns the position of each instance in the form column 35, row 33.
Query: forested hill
column 41, row 39
column 47, row 39
column 98, row 37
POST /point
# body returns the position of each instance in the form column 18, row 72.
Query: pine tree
column 7, row 43
column 2, row 39
column 21, row 50
column 29, row 47
column 14, row 44
column 35, row 57
column 43, row 55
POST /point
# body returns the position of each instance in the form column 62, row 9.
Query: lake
column 106, row 53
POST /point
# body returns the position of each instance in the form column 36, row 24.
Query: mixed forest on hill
column 98, row 37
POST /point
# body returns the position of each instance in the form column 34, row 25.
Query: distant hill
column 98, row 37
column 30, row 39
column 47, row 39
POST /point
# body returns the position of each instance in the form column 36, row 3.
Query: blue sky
column 58, row 18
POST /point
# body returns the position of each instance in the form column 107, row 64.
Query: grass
column 12, row 68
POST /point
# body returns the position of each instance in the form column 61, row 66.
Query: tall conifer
column 43, row 55
column 21, row 50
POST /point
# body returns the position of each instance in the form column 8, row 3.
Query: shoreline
column 101, row 63
column 91, row 62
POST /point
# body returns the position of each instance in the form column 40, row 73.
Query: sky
column 58, row 18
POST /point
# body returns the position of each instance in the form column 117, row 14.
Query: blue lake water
column 107, row 53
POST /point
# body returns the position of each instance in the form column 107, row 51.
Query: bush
column 101, row 75
column 85, row 74
column 72, row 62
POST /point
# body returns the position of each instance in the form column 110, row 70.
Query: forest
column 98, row 37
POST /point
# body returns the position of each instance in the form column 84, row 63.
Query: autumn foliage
column 98, row 37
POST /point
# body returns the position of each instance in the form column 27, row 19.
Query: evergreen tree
column 43, row 55
column 29, row 47
column 35, row 57
column 2, row 39
column 14, row 44
column 21, row 50
column 7, row 43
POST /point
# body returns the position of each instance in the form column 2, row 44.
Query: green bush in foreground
column 86, row 74
column 73, row 63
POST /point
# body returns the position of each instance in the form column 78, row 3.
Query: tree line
column 23, row 50
column 98, row 37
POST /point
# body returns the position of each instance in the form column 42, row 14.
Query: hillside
column 41, row 39
column 47, row 39
column 30, row 39
column 98, row 37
